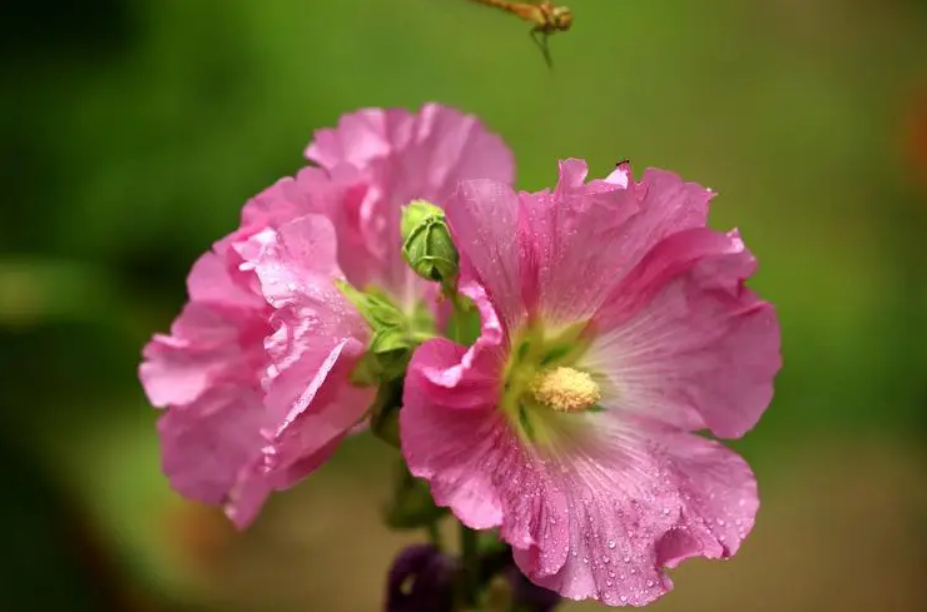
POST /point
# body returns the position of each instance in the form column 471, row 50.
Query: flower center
column 565, row 389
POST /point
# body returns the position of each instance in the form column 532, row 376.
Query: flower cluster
column 545, row 361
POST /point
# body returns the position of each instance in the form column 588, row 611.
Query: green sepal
column 411, row 506
column 393, row 350
column 392, row 342
column 376, row 309
column 384, row 412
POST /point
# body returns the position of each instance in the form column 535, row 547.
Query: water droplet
column 627, row 559
column 608, row 583
column 624, row 599
column 611, row 544
column 650, row 583
column 720, row 522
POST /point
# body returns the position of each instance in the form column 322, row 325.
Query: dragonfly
column 546, row 17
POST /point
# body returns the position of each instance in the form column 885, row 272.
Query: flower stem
column 470, row 558
column 434, row 535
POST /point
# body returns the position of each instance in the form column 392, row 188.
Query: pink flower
column 615, row 324
column 254, row 374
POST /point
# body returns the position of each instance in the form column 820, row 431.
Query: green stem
column 469, row 553
column 434, row 535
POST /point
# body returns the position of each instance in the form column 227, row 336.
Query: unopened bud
column 421, row 579
column 426, row 242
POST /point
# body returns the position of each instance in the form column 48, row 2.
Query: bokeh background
column 132, row 131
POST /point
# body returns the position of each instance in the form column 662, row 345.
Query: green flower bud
column 426, row 242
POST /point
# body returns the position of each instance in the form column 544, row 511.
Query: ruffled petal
column 633, row 499
column 201, row 350
column 484, row 218
column 401, row 157
column 452, row 388
column 682, row 340
column 454, row 460
column 210, row 447
column 443, row 144
column 216, row 338
column 529, row 249
column 318, row 339
column 599, row 519
column 212, row 280
column 577, row 232
column 667, row 205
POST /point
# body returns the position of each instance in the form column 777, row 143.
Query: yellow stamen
column 566, row 390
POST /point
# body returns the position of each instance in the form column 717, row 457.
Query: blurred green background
column 131, row 132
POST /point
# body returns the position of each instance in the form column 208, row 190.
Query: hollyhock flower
column 615, row 325
column 254, row 374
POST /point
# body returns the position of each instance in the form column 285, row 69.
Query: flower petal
column 443, row 144
column 201, row 350
column 323, row 408
column 597, row 520
column 638, row 497
column 484, row 219
column 681, row 340
column 577, row 232
column 211, row 280
column 318, row 339
column 667, row 205
column 529, row 249
column 217, row 337
column 401, row 157
column 451, row 388
column 208, row 447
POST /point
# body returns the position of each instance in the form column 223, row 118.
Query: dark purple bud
column 528, row 596
column 422, row 579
